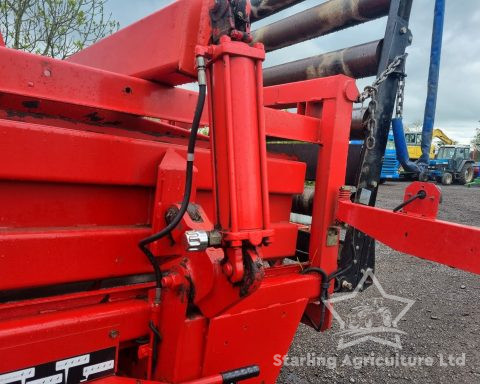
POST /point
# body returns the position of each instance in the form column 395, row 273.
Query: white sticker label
column 72, row 370
column 102, row 367
column 55, row 379
column 14, row 377
column 65, row 365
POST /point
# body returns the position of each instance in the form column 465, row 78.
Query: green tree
column 56, row 28
column 476, row 144
column 476, row 139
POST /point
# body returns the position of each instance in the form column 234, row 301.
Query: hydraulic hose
column 420, row 195
column 401, row 146
column 324, row 285
column 143, row 244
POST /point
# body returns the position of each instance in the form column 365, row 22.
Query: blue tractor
column 452, row 163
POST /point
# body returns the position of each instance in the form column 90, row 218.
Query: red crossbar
column 446, row 243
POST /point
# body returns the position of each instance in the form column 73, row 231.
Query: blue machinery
column 421, row 165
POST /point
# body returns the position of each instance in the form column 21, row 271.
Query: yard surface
column 442, row 324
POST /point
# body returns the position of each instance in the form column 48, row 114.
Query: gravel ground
column 444, row 320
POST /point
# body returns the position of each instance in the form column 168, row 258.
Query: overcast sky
column 458, row 111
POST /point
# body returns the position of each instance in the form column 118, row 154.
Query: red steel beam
column 71, row 156
column 73, row 254
column 64, row 205
column 97, row 92
column 40, row 338
column 159, row 47
column 286, row 125
column 446, row 243
column 45, row 78
column 24, row 308
column 290, row 94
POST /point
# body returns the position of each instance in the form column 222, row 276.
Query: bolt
column 167, row 282
column 403, row 30
column 347, row 285
column 214, row 238
column 228, row 269
column 144, row 351
column 172, row 280
column 114, row 334
column 351, row 91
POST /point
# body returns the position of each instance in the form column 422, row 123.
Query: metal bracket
column 231, row 18
column 333, row 236
column 426, row 207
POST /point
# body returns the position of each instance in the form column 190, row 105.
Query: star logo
column 373, row 320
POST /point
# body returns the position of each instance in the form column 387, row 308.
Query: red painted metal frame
column 91, row 162
column 446, row 243
column 85, row 176
column 110, row 99
column 167, row 50
column 70, row 158
column 331, row 100
column 43, row 78
column 427, row 206
column 27, row 341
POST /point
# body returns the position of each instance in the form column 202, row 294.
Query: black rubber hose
column 325, row 283
column 420, row 195
column 339, row 272
column 157, row 338
column 143, row 244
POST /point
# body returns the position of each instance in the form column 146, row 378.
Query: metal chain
column 381, row 78
column 400, row 96
column 370, row 92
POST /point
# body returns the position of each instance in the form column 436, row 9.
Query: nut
column 347, row 285
column 196, row 240
column 214, row 238
column 114, row 334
